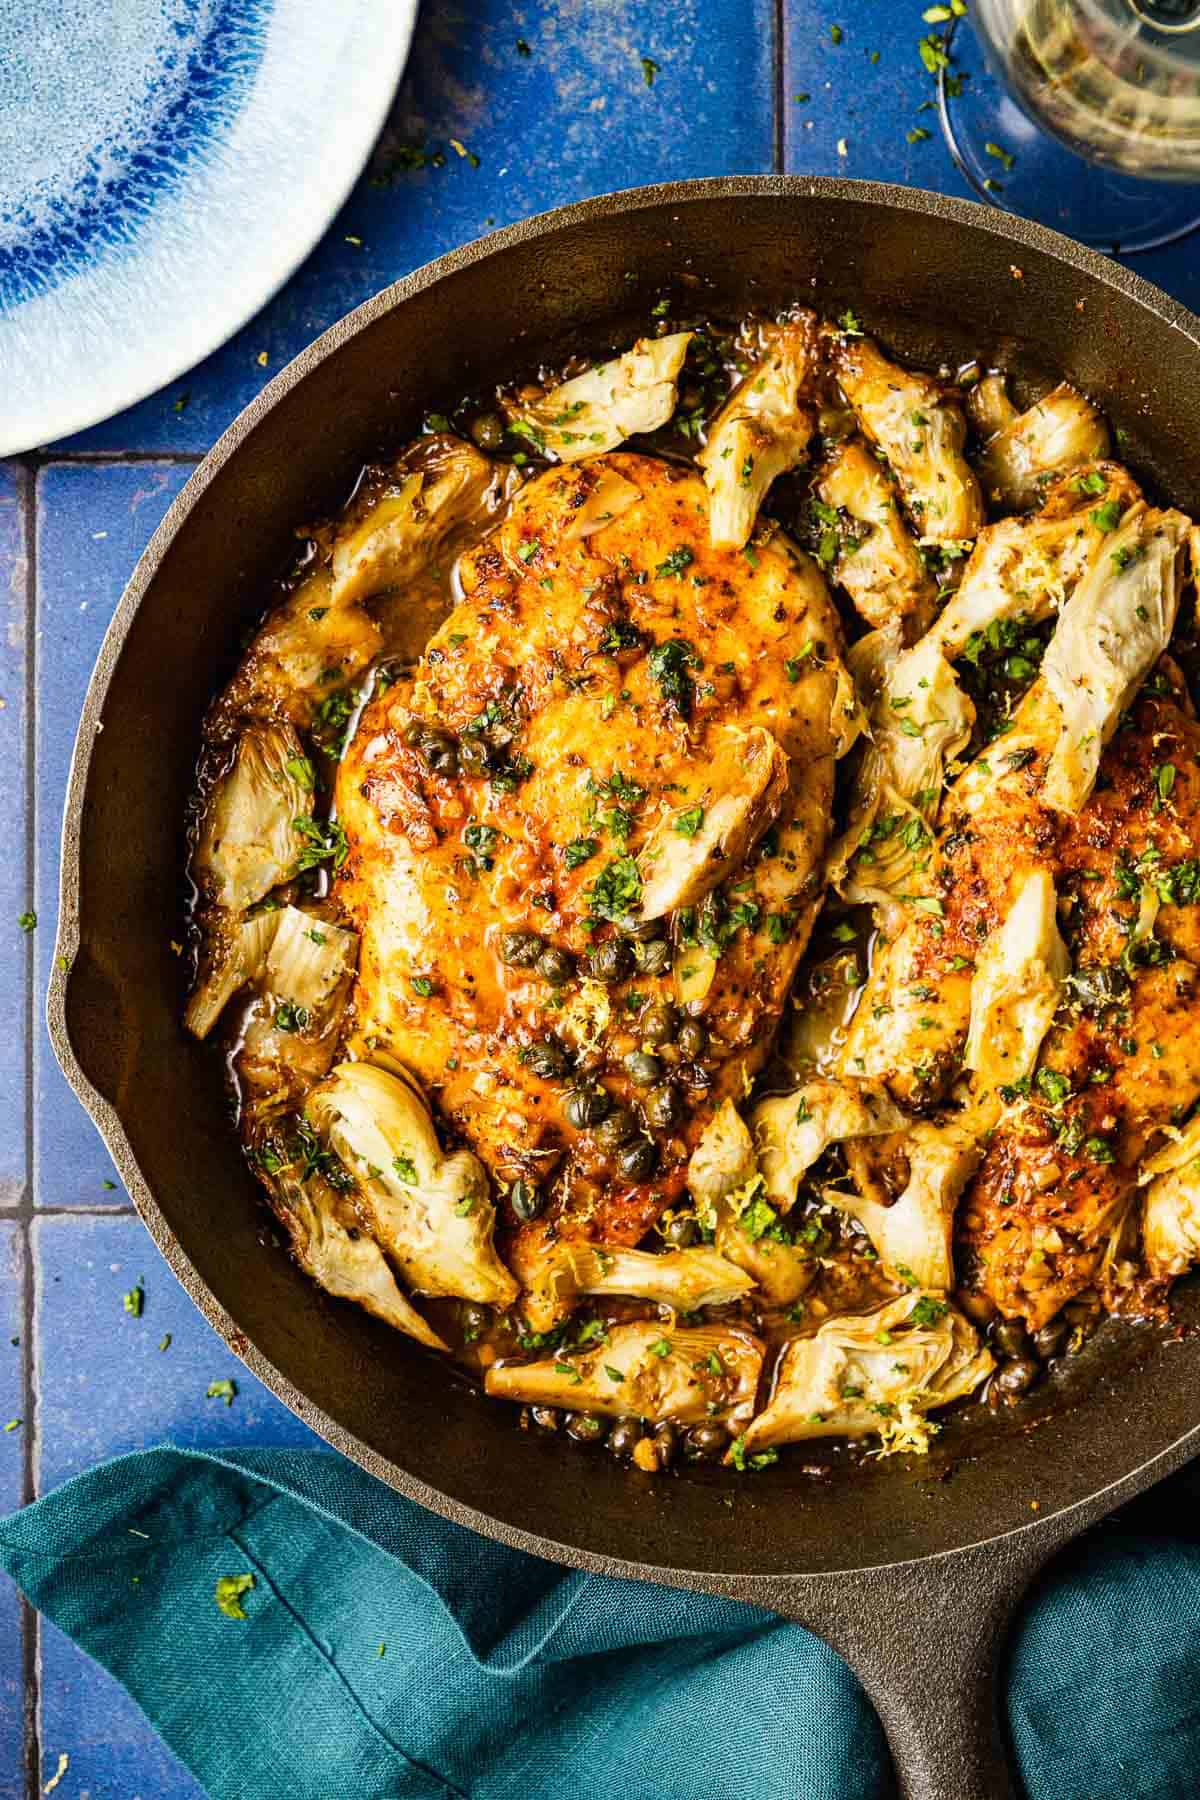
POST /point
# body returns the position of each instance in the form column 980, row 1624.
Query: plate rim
column 365, row 125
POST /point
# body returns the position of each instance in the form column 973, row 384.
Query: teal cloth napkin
column 388, row 1655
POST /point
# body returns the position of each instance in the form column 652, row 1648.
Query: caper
column 443, row 762
column 488, row 431
column 681, row 1231
column 655, row 958
column 1051, row 1340
column 623, row 1436
column 546, row 1418
column 642, row 1068
column 638, row 1161
column 587, row 1106
column 642, row 931
column 520, row 949
column 1010, row 1338
column 666, row 1442
column 527, row 1199
column 475, row 756
column 548, row 1059
column 694, row 1075
column 610, row 961
column 657, row 1023
column 692, row 1039
column 433, row 741
column 555, row 965
column 584, row 1428
column 662, row 1107
column 620, row 1126
column 1016, row 1377
column 706, row 1442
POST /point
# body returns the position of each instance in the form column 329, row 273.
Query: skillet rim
column 1057, row 1525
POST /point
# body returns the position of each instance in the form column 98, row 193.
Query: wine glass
column 1083, row 114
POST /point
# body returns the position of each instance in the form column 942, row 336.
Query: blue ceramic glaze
column 83, row 165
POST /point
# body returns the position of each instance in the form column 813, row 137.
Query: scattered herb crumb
column 649, row 70
column 135, row 1300
column 228, row 1593
column 836, row 34
column 165, row 1341
column 13, row 1425
column 1001, row 154
column 222, row 1390
column 27, row 921
column 523, row 49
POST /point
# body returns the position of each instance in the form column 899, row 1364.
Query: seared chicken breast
column 533, row 859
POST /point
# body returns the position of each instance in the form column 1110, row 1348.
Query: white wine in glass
column 1116, row 83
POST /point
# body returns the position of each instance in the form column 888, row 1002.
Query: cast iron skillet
column 911, row 1575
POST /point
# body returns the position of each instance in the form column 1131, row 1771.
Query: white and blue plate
column 164, row 166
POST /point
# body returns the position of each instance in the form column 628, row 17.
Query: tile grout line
column 30, row 1626
column 102, row 459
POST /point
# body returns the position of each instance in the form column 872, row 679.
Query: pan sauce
column 585, row 1030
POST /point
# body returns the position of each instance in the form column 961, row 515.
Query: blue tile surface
column 104, row 1385
column 12, row 1485
column 94, row 521
column 573, row 117
column 16, row 949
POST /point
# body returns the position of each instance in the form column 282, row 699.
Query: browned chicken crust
column 602, row 677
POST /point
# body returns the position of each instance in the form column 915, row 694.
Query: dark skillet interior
column 934, row 287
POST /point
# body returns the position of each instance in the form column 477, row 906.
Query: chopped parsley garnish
column 1091, row 483
column 405, row 1168
column 661, row 1348
column 619, row 635
column 1053, row 1087
column 741, row 1462
column 579, row 850
column 1106, row 517
column 421, row 985
column 570, row 1371
column 324, row 841
column 289, row 1017
column 670, row 664
column 617, row 890
column 928, row 1311
column 676, row 562
column 688, row 823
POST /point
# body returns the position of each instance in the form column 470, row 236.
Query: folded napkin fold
column 389, row 1655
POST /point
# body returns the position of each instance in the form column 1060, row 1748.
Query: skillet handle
column 925, row 1639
